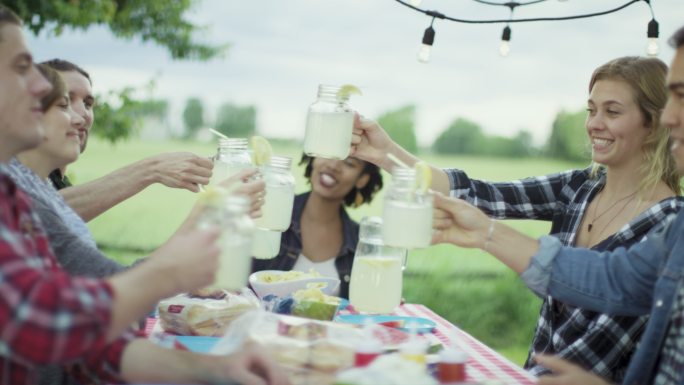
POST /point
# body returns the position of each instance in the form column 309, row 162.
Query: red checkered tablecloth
column 484, row 363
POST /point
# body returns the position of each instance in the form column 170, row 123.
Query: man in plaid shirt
column 47, row 316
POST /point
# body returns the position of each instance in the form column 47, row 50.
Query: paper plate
column 420, row 325
column 197, row 344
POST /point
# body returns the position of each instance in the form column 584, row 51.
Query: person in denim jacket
column 647, row 278
column 321, row 235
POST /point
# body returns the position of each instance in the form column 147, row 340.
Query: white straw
column 218, row 133
column 397, row 161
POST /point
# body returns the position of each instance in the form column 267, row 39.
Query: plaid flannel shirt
column 598, row 342
column 46, row 316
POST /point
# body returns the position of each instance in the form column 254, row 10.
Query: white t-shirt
column 325, row 268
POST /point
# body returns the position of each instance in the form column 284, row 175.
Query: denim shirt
column 643, row 279
column 291, row 246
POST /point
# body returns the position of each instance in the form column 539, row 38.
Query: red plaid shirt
column 47, row 316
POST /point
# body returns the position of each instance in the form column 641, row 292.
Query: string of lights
column 424, row 53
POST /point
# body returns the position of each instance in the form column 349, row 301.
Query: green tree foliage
column 399, row 124
column 461, row 137
column 193, row 116
column 568, row 139
column 118, row 115
column 236, row 121
column 466, row 137
column 163, row 22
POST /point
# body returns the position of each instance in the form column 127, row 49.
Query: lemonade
column 235, row 263
column 266, row 244
column 328, row 134
column 407, row 224
column 223, row 171
column 375, row 285
column 277, row 208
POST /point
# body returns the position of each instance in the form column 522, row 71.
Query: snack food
column 191, row 316
column 292, row 275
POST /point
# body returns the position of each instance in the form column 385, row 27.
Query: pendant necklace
column 597, row 217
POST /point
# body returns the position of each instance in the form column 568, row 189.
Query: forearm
column 144, row 362
column 93, row 198
column 137, row 291
column 510, row 246
column 440, row 180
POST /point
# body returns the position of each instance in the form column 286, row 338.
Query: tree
column 399, row 125
column 461, row 137
column 163, row 22
column 567, row 139
column 118, row 115
column 236, row 121
column 193, row 116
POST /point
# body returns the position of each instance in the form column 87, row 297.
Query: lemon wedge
column 423, row 176
column 347, row 90
column 211, row 196
column 261, row 151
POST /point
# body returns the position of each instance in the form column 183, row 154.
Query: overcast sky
column 281, row 50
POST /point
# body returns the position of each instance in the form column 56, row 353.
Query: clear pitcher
column 376, row 278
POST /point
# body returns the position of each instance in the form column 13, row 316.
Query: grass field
column 468, row 287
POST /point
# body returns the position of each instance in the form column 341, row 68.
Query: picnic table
column 484, row 364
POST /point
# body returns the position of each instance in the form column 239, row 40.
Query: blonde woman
column 630, row 189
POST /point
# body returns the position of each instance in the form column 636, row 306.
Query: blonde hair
column 646, row 78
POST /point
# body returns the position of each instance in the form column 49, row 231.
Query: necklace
column 597, row 217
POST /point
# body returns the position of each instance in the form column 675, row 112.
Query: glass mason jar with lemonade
column 329, row 122
column 231, row 157
column 279, row 199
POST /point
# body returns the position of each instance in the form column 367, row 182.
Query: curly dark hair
column 367, row 192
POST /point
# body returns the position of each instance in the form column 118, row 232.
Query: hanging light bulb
column 416, row 3
column 426, row 47
column 652, row 46
column 505, row 46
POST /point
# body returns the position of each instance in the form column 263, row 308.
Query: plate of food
column 283, row 283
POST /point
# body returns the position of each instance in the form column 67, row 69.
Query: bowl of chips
column 283, row 283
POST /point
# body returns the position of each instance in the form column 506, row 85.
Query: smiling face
column 673, row 114
column 62, row 144
column 82, row 101
column 615, row 125
column 22, row 87
column 334, row 179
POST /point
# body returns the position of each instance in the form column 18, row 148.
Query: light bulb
column 424, row 53
column 504, row 48
column 416, row 3
column 652, row 48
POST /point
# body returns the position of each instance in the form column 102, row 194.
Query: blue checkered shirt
column 600, row 343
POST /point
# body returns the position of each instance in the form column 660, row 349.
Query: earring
column 358, row 200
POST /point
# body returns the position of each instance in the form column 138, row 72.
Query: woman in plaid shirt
column 629, row 190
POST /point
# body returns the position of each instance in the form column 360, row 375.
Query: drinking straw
column 397, row 161
column 218, row 133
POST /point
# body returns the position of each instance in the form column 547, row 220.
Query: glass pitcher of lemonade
column 329, row 124
column 231, row 157
column 407, row 212
column 231, row 214
column 279, row 199
column 376, row 277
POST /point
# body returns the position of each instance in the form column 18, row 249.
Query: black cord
column 494, row 21
column 510, row 3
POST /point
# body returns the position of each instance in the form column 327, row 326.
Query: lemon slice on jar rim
column 261, row 150
column 347, row 90
column 423, row 179
column 211, row 196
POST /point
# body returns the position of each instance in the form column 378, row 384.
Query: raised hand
column 369, row 141
column 458, row 222
column 181, row 170
column 245, row 182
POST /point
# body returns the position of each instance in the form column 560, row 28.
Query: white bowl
column 283, row 288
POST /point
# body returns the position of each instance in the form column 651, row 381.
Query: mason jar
column 231, row 214
column 376, row 277
column 276, row 213
column 407, row 212
column 231, row 157
column 329, row 125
